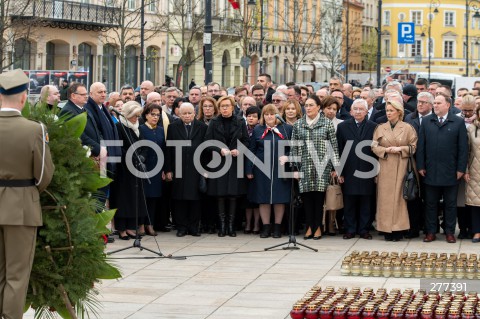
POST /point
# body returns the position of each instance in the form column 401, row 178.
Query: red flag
column 235, row 4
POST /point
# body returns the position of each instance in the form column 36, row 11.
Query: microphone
column 112, row 109
column 278, row 117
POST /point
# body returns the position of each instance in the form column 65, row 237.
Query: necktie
column 189, row 128
column 420, row 119
column 440, row 120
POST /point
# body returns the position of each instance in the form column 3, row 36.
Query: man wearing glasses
column 213, row 89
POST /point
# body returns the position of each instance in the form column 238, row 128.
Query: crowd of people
column 267, row 146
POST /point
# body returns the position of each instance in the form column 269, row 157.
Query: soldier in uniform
column 26, row 169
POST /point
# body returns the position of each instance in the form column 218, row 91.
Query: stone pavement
column 230, row 278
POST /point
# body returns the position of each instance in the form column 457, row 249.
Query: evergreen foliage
column 69, row 256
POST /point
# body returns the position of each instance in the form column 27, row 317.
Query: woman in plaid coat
column 316, row 151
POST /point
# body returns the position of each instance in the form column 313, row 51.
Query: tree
column 127, row 33
column 301, row 30
column 184, row 22
column 244, row 27
column 334, row 36
column 368, row 51
column 16, row 21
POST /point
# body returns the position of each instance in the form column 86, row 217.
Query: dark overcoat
column 185, row 186
column 348, row 131
column 153, row 186
column 271, row 189
column 442, row 149
column 124, row 187
column 229, row 184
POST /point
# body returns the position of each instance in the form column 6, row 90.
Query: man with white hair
column 279, row 99
column 322, row 92
column 50, row 95
column 180, row 168
column 359, row 189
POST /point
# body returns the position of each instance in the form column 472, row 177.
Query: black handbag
column 202, row 184
column 411, row 189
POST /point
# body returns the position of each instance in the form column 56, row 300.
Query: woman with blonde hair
column 393, row 142
column 268, row 189
column 292, row 111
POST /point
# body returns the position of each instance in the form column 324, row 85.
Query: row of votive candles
column 367, row 304
column 416, row 265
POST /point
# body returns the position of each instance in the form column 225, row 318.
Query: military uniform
column 26, row 169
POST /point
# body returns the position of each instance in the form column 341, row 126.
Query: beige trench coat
column 472, row 191
column 392, row 214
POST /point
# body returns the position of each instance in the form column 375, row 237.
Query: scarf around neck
column 129, row 124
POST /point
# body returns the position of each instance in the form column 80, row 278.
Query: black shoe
column 195, row 234
column 265, row 231
column 181, row 233
column 277, row 231
column 133, row 236
column 462, row 235
column 126, row 237
column 110, row 239
column 388, row 236
column 412, row 234
column 247, row 231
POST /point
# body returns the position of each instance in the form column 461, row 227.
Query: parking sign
column 406, row 33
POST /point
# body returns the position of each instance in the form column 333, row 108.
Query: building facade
column 444, row 23
column 85, row 36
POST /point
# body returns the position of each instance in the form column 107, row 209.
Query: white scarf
column 312, row 122
column 129, row 124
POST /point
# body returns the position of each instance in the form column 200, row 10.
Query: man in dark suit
column 410, row 97
column 91, row 136
column 182, row 171
column 442, row 154
column 416, row 207
column 106, row 127
column 342, row 113
column 145, row 88
column 357, row 189
column 26, row 170
column 369, row 96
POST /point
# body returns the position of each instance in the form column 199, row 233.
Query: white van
column 444, row 78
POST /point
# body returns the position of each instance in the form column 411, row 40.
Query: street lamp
column 252, row 4
column 434, row 4
column 474, row 5
column 207, row 42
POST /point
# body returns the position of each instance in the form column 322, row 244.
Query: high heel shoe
column 150, row 232
column 133, row 236
column 319, row 236
column 126, row 237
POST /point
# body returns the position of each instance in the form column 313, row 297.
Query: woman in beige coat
column 391, row 143
column 472, row 177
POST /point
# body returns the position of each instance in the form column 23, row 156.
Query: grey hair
column 186, row 105
column 360, row 101
column 395, row 85
column 427, row 95
column 280, row 94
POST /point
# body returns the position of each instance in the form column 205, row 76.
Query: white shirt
column 7, row 109
column 420, row 117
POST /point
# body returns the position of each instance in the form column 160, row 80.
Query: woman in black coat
column 228, row 130
column 124, row 191
column 182, row 171
column 152, row 186
column 271, row 189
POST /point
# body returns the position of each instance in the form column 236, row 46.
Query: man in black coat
column 342, row 113
column 410, row 97
column 182, row 171
column 91, row 136
column 105, row 124
column 442, row 154
column 357, row 189
column 416, row 207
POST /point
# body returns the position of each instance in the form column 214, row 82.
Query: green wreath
column 69, row 255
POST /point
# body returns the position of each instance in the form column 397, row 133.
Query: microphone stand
column 138, row 240
column 292, row 240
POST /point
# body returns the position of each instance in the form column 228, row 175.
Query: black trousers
column 432, row 196
column 464, row 219
column 122, row 224
column 209, row 211
column 158, row 218
column 356, row 213
column 187, row 215
column 313, row 205
column 475, row 214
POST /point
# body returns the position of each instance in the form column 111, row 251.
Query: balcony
column 68, row 15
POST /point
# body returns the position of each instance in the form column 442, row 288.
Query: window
column 131, row 65
column 151, row 64
column 416, row 17
column 401, row 50
column 448, row 49
column 286, row 13
column 449, row 19
column 305, row 19
column 22, row 54
column 417, row 48
column 109, row 63
column 275, row 14
column 386, row 18
column 131, row 4
column 152, row 6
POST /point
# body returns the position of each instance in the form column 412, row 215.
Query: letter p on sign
column 406, row 33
